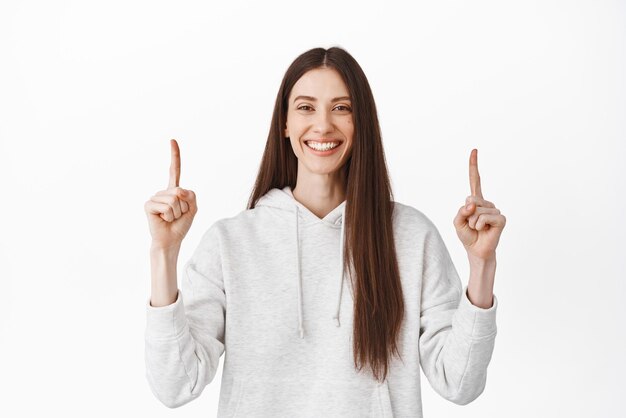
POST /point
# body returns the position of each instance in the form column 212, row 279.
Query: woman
column 325, row 293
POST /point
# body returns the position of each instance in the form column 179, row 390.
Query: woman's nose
column 323, row 122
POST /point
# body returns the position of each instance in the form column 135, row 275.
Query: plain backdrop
column 92, row 92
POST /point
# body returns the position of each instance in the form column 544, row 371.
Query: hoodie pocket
column 282, row 397
column 381, row 402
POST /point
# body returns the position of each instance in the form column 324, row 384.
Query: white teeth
column 325, row 146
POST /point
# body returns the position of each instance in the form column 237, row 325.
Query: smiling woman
column 268, row 284
column 320, row 126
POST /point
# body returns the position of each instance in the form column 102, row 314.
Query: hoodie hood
column 284, row 199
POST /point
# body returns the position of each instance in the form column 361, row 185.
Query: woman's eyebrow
column 313, row 99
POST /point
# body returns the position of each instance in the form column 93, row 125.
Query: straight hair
column 369, row 249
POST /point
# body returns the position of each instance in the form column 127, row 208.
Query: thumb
column 187, row 197
column 460, row 220
column 183, row 196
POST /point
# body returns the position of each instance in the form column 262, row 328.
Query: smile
column 323, row 149
column 322, row 146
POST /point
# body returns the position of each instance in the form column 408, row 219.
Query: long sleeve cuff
column 475, row 322
column 166, row 322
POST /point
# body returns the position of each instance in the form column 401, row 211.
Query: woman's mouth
column 323, row 148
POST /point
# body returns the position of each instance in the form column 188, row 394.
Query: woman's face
column 320, row 114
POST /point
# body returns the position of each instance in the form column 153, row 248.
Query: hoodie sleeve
column 185, row 340
column 457, row 338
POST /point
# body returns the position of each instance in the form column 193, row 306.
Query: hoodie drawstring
column 300, row 326
column 341, row 266
column 299, row 278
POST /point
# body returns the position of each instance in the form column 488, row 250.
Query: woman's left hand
column 478, row 226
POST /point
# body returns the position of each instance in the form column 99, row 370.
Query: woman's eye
column 341, row 107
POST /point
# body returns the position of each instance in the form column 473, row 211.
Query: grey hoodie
column 267, row 287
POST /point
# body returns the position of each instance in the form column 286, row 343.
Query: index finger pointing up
column 175, row 165
column 473, row 174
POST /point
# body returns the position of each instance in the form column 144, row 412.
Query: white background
column 91, row 93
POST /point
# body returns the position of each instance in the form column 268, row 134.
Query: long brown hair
column 370, row 249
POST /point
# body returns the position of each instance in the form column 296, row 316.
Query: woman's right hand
column 170, row 212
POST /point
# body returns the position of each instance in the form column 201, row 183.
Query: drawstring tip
column 301, row 333
column 336, row 321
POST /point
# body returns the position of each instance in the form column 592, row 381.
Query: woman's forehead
column 322, row 84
